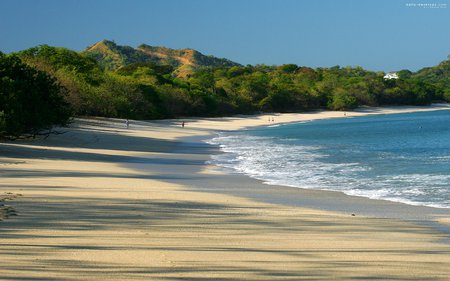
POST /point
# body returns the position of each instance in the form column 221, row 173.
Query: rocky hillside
column 112, row 56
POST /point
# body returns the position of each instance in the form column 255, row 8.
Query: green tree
column 342, row 100
column 288, row 68
column 30, row 100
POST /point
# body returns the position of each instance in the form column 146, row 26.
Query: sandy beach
column 102, row 202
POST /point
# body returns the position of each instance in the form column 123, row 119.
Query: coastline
column 102, row 202
column 325, row 200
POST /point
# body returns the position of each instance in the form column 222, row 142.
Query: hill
column 439, row 74
column 112, row 57
column 145, row 83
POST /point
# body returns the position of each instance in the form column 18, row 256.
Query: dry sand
column 99, row 203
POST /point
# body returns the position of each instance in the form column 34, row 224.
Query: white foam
column 284, row 162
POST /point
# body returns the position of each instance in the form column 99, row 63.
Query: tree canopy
column 30, row 100
column 38, row 84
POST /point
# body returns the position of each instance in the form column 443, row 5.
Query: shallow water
column 399, row 157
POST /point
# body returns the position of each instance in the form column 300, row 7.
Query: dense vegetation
column 30, row 100
column 147, row 90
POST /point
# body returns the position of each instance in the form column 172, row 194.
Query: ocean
column 397, row 157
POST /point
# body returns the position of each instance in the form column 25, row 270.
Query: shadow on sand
column 83, row 214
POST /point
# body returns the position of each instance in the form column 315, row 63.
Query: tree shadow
column 81, row 136
column 62, row 214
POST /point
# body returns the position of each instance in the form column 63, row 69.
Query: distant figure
column 273, row 120
column 127, row 123
column 269, row 118
column 345, row 113
column 182, row 124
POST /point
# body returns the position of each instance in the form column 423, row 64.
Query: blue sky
column 375, row 34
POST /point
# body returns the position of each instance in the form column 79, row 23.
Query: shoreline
column 238, row 122
column 331, row 200
column 321, row 198
column 101, row 202
column 324, row 200
column 366, row 111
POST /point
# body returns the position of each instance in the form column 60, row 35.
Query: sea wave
column 282, row 161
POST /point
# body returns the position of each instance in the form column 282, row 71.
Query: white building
column 391, row 75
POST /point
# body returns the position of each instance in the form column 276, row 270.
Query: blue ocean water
column 398, row 157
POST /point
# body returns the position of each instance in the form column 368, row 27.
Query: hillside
column 112, row 56
column 439, row 74
column 152, row 83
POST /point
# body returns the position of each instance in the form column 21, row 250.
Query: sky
column 381, row 35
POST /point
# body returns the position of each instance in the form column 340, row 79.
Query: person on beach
column 127, row 123
column 182, row 124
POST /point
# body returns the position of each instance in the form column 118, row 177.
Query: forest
column 44, row 86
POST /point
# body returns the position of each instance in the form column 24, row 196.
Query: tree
column 288, row 68
column 62, row 58
column 341, row 100
column 146, row 90
column 30, row 100
column 404, row 74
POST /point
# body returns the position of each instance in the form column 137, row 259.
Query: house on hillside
column 391, row 75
